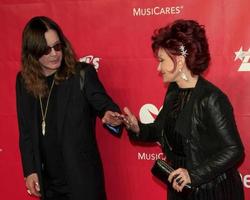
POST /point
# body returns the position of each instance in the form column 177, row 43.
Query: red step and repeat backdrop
column 115, row 35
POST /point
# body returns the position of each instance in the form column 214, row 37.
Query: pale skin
column 50, row 63
column 170, row 72
column 32, row 184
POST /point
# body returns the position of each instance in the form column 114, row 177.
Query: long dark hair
column 33, row 47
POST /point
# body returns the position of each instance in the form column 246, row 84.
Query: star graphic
column 239, row 54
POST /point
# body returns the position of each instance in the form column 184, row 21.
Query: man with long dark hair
column 56, row 117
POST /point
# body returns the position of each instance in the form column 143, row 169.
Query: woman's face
column 52, row 59
column 167, row 67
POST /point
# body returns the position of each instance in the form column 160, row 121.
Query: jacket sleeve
column 148, row 132
column 96, row 94
column 98, row 97
column 152, row 132
column 231, row 149
column 25, row 140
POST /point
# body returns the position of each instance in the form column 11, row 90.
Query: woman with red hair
column 196, row 127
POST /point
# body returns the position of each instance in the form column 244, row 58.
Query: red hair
column 192, row 36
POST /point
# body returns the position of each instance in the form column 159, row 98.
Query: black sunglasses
column 56, row 47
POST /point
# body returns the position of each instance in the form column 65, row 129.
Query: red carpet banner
column 115, row 35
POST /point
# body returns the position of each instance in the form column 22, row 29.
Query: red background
column 120, row 42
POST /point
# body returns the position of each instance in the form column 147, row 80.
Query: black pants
column 56, row 191
column 54, row 195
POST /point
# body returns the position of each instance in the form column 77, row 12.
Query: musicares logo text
column 157, row 10
column 92, row 60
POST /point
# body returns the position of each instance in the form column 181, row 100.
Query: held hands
column 116, row 119
column 32, row 185
column 179, row 178
column 112, row 118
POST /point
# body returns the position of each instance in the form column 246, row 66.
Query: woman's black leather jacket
column 212, row 142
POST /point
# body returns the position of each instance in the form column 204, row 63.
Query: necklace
column 44, row 113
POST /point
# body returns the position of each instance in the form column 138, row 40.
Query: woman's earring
column 183, row 75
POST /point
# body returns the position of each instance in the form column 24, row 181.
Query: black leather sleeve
column 148, row 132
column 231, row 149
column 152, row 132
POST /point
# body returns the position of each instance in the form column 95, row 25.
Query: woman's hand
column 32, row 185
column 179, row 178
column 130, row 121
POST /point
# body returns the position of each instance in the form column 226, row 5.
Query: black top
column 175, row 139
column 50, row 149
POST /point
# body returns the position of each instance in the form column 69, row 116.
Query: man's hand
column 112, row 118
column 32, row 184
